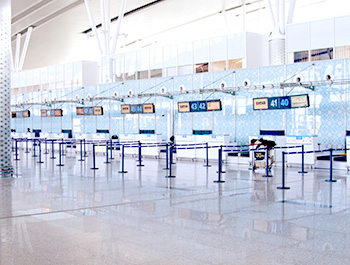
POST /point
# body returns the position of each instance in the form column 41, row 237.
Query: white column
column 5, row 86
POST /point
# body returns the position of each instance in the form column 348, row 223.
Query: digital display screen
column 300, row 101
column 26, row 113
column 183, row 106
column 51, row 113
column 199, row 106
column 278, row 103
column 14, row 114
column 138, row 109
column 89, row 111
column 148, row 108
column 125, row 109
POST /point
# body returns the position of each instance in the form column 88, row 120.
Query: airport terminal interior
column 174, row 132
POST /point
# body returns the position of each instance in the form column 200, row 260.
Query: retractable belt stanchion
column 107, row 162
column 81, row 151
column 111, row 157
column 63, row 153
column 46, row 152
column 219, row 166
column 123, row 171
column 330, row 167
column 207, row 155
column 34, row 155
column 220, row 160
column 52, row 150
column 171, row 162
column 60, row 155
column 40, row 162
column 85, row 155
column 27, row 151
column 267, row 164
column 166, row 157
column 140, row 160
column 12, row 144
column 16, row 151
column 93, row 158
column 283, row 174
column 302, row 161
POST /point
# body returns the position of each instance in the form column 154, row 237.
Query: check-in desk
column 347, row 140
column 129, row 139
column 280, row 141
column 58, row 137
column 212, row 140
column 82, row 136
column 150, row 139
column 102, row 137
column 185, row 153
column 29, row 136
column 310, row 143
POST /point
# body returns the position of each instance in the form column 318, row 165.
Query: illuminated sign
column 51, row 113
column 199, row 106
column 89, row 111
column 287, row 102
column 138, row 109
column 20, row 114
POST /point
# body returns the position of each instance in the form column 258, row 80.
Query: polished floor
column 74, row 215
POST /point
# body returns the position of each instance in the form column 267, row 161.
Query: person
column 28, row 130
column 269, row 145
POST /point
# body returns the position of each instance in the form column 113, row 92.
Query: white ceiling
column 58, row 24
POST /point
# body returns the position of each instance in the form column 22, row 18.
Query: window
column 342, row 52
column 185, row 70
column 235, row 64
column 156, row 73
column 302, row 56
column 142, row 74
column 171, row 71
column 322, row 54
column 201, row 68
column 218, row 66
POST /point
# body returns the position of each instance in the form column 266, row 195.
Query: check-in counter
column 29, row 136
column 212, row 140
column 150, row 139
column 310, row 143
column 129, row 139
column 185, row 153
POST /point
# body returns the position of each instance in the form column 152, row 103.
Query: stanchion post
column 34, row 155
column 302, row 161
column 81, row 150
column 60, row 155
column 171, row 162
column 267, row 164
column 107, row 162
column 219, row 166
column 85, row 155
column 330, row 167
column 52, row 150
column 16, row 150
column 140, row 155
column 166, row 156
column 123, row 171
column 207, row 155
column 93, row 158
column 40, row 162
column 111, row 157
column 283, row 174
column 27, row 151
column 63, row 154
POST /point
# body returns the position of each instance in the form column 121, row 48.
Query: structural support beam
column 93, row 25
column 271, row 12
column 5, row 91
column 25, row 48
column 119, row 22
column 282, row 17
column 291, row 11
column 18, row 48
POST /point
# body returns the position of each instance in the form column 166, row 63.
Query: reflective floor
column 74, row 215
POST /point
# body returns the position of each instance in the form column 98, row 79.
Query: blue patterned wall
column 328, row 114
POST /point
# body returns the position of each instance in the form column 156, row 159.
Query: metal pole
column 52, row 150
column 16, row 150
column 40, row 162
column 81, row 151
column 60, row 156
column 283, row 174
column 85, row 155
column 27, row 151
column 46, row 152
column 166, row 157
column 93, row 158
column 123, row 171
column 207, row 155
column 111, row 157
column 330, row 167
column 34, row 155
column 63, row 154
column 171, row 162
column 140, row 161
column 219, row 166
column 302, row 160
column 107, row 162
